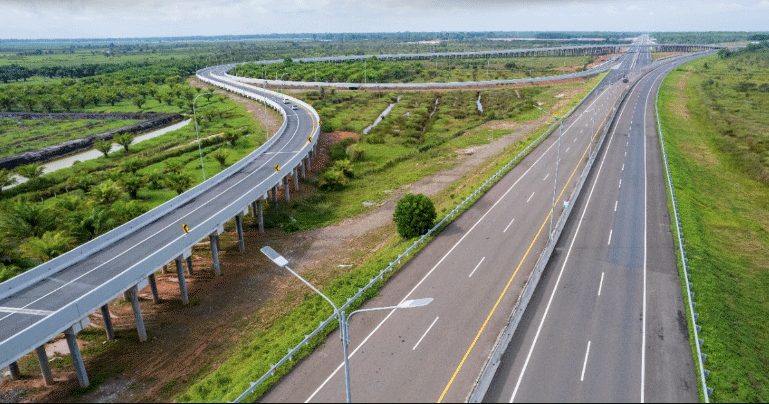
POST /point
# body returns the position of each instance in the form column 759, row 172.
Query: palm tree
column 105, row 193
column 30, row 171
column 5, row 179
column 132, row 183
column 88, row 224
column 221, row 155
column 20, row 220
column 103, row 146
column 124, row 139
column 177, row 181
column 50, row 245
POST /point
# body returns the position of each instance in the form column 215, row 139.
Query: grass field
column 716, row 137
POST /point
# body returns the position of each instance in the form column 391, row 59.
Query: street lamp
column 197, row 134
column 557, row 161
column 343, row 321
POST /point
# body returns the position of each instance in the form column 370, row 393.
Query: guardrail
column 704, row 373
column 63, row 318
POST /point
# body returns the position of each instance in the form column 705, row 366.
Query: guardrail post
column 214, row 238
column 13, row 367
column 260, row 214
column 77, row 359
column 45, row 367
column 134, row 293
column 239, row 225
column 153, row 288
column 107, row 322
column 182, row 282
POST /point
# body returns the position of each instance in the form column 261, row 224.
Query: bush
column 414, row 215
column 332, row 179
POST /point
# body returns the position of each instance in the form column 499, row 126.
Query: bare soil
column 187, row 342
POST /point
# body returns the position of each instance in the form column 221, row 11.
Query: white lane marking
column 625, row 154
column 575, row 139
column 600, row 285
column 425, row 334
column 620, row 183
column 567, row 149
column 627, row 143
column 476, row 267
column 14, row 310
column 508, row 226
column 341, row 365
column 532, row 195
column 566, row 260
column 159, row 231
column 548, row 174
column 615, row 205
column 584, row 364
column 610, row 231
column 581, row 130
column 623, row 166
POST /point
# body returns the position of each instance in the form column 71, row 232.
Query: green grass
column 20, row 135
column 724, row 208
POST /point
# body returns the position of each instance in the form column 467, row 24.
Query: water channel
column 382, row 116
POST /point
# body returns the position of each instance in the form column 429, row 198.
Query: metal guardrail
column 57, row 322
column 704, row 373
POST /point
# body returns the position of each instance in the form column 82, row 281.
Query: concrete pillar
column 304, row 171
column 215, row 253
column 253, row 209
column 77, row 359
column 239, row 225
column 275, row 195
column 285, row 187
column 296, row 179
column 15, row 372
column 165, row 269
column 107, row 322
column 189, row 264
column 134, row 292
column 45, row 367
column 154, row 288
column 260, row 215
column 182, row 283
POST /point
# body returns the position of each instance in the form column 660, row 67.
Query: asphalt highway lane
column 36, row 302
column 474, row 270
column 605, row 323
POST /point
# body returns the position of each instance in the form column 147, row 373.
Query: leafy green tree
column 50, row 245
column 20, row 220
column 177, row 181
column 139, row 101
column 414, row 215
column 30, row 171
column 155, row 179
column 8, row 271
column 6, row 180
column 103, row 146
column 172, row 165
column 66, row 101
column 345, row 166
column 220, row 155
column 89, row 223
column 123, row 211
column 332, row 179
column 132, row 183
column 124, row 139
column 232, row 136
column 106, row 192
column 131, row 165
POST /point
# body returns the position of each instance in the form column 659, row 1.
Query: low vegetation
column 713, row 114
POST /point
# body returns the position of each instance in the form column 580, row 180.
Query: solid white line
column 425, row 334
column 508, row 226
column 14, row 310
column 341, row 365
column 610, row 231
column 558, row 280
column 476, row 267
column 584, row 364
column 600, row 285
column 532, row 194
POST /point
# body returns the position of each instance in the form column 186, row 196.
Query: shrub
column 414, row 215
column 332, row 179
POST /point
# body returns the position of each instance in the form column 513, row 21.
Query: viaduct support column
column 107, row 322
column 189, row 263
column 304, row 171
column 153, row 288
column 134, row 292
column 239, row 225
column 182, row 283
column 296, row 179
column 215, row 253
column 45, row 367
column 77, row 359
column 15, row 372
column 260, row 214
column 285, row 186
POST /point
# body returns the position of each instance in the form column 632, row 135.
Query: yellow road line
column 504, row 291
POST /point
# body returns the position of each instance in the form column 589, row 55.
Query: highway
column 607, row 322
column 474, row 270
column 32, row 314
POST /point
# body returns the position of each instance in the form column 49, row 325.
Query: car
column 286, row 100
column 624, row 80
column 294, row 107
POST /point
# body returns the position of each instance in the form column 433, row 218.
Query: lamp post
column 197, row 134
column 340, row 314
column 557, row 161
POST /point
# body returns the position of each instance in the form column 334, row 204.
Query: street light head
column 408, row 304
column 274, row 256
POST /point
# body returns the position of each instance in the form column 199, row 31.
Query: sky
column 39, row 19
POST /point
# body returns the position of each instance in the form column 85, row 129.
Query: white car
column 286, row 100
column 294, row 107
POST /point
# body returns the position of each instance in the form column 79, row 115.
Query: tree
column 232, row 136
column 5, row 179
column 414, row 215
column 177, row 181
column 131, row 165
column 124, row 139
column 332, row 179
column 50, row 245
column 139, row 101
column 106, row 192
column 20, row 220
column 132, row 183
column 90, row 223
column 103, row 146
column 30, row 171
column 220, row 155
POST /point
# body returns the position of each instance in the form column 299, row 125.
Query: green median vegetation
column 713, row 115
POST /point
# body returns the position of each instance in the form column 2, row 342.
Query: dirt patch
column 186, row 342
